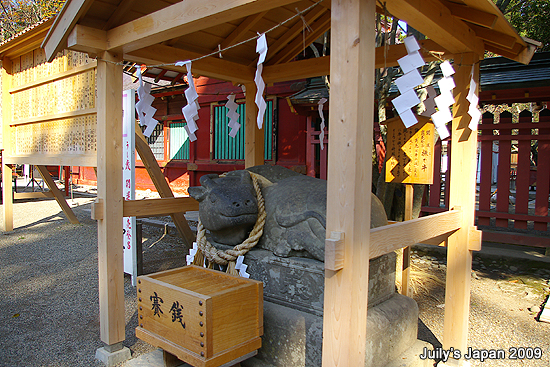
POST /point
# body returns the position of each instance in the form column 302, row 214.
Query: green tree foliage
column 529, row 17
column 17, row 15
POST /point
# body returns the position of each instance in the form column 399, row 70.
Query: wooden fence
column 517, row 198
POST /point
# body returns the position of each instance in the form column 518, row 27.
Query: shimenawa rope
column 228, row 257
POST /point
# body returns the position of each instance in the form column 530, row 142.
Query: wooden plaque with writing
column 410, row 152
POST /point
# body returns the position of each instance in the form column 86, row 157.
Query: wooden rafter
column 211, row 66
column 471, row 15
column 435, row 20
column 119, row 13
column 319, row 27
column 241, row 30
column 63, row 25
column 183, row 18
column 495, row 37
column 294, row 31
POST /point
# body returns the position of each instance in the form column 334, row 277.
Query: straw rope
column 228, row 257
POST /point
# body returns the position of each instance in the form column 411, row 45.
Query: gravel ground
column 49, row 302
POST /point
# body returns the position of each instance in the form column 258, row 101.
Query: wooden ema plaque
column 204, row 317
column 410, row 152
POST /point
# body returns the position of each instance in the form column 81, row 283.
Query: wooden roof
column 166, row 31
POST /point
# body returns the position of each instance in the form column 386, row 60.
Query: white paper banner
column 472, row 97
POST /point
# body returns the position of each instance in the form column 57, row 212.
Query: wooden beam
column 32, row 195
column 290, row 51
column 69, row 15
column 164, row 190
column 349, row 180
column 87, row 39
column 302, row 69
column 395, row 52
column 7, row 186
column 253, row 137
column 435, row 21
column 183, row 18
column 320, row 66
column 334, row 251
column 472, row 15
column 211, row 66
column 498, row 38
column 406, row 254
column 518, row 53
column 109, row 191
column 155, row 207
column 240, row 31
column 401, row 234
column 82, row 160
column 58, row 195
column 462, row 194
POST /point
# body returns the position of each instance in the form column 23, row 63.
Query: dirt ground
column 505, row 300
column 49, row 304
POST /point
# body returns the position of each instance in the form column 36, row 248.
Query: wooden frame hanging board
column 410, row 151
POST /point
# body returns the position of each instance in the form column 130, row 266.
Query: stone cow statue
column 295, row 206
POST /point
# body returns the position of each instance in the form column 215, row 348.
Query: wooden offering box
column 204, row 317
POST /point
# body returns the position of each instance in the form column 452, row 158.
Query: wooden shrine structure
column 167, row 31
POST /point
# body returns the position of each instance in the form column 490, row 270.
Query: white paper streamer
column 472, row 97
column 241, row 267
column 406, row 83
column 192, row 253
column 143, row 108
column 321, row 102
column 261, row 48
column 233, row 115
column 191, row 110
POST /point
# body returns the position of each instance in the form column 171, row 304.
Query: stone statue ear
column 198, row 193
column 207, row 180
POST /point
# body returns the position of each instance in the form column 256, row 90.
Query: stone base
column 110, row 359
column 294, row 338
column 411, row 357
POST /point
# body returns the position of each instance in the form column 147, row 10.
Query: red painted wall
column 291, row 136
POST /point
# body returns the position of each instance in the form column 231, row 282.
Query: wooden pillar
column 349, row 179
column 253, row 137
column 462, row 194
column 109, row 191
column 7, row 198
